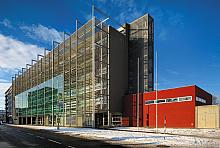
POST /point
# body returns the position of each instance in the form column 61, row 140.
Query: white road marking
column 40, row 137
column 71, row 146
column 54, row 141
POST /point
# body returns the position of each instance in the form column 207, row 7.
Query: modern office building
column 9, row 105
column 2, row 116
column 81, row 81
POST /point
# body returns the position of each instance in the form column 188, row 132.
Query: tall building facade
column 2, row 116
column 141, row 45
column 9, row 105
column 81, row 81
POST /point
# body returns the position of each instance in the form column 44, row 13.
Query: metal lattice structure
column 70, row 83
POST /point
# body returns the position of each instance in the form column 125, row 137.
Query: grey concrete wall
column 118, row 69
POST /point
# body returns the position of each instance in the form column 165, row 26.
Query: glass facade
column 42, row 101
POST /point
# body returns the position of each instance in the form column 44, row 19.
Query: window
column 185, row 99
column 189, row 98
column 149, row 102
column 178, row 99
column 200, row 100
column 175, row 100
column 169, row 100
column 172, row 100
column 161, row 101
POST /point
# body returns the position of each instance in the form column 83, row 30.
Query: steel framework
column 70, row 84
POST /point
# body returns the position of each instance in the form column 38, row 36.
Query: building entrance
column 101, row 120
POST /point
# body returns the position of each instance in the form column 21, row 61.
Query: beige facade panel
column 207, row 116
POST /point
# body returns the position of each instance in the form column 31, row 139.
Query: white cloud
column 3, row 81
column 129, row 10
column 126, row 17
column 171, row 71
column 88, row 17
column 15, row 54
column 126, row 10
column 3, row 88
column 42, row 33
column 216, row 100
column 6, row 23
column 175, row 19
column 162, row 35
column 37, row 32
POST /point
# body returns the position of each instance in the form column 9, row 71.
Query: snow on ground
column 212, row 133
column 141, row 138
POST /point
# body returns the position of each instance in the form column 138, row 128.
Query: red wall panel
column 178, row 114
column 125, row 121
column 130, row 109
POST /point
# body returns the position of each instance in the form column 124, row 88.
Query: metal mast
column 138, row 80
column 156, row 93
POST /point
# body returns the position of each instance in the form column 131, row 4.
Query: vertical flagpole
column 138, row 92
column 156, row 92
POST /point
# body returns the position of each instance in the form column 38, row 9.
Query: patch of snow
column 134, row 135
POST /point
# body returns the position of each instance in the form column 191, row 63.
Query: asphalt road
column 16, row 137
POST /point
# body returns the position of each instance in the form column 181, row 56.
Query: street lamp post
column 54, row 45
column 19, row 104
column 16, row 102
column 24, row 98
column 38, row 83
column 45, row 62
column 32, row 63
column 13, row 105
column 30, row 86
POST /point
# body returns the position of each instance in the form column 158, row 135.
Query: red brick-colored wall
column 130, row 110
column 178, row 114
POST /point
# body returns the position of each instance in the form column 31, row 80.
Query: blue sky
column 187, row 35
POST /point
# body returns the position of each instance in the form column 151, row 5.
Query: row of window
column 169, row 100
column 200, row 100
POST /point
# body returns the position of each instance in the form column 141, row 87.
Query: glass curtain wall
column 36, row 102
